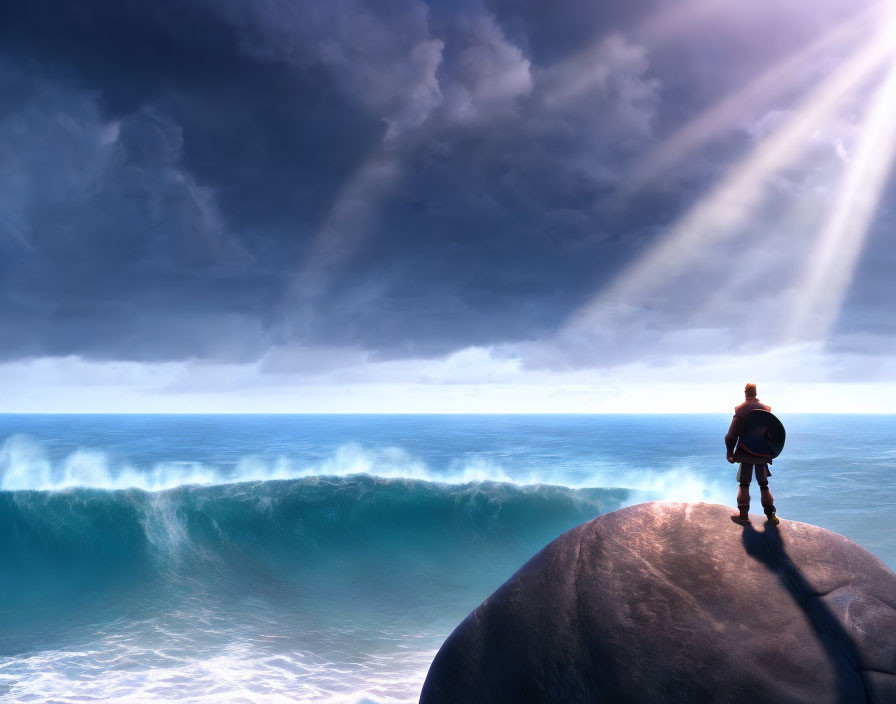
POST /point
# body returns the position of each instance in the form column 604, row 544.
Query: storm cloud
column 215, row 180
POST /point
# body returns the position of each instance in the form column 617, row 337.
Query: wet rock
column 671, row 602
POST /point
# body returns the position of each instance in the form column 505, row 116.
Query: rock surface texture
column 671, row 602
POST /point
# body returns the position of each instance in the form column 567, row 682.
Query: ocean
column 221, row 558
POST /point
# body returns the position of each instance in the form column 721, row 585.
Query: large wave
column 366, row 555
column 300, row 518
column 25, row 464
column 358, row 534
column 368, row 524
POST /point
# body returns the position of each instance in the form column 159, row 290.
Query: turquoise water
column 325, row 558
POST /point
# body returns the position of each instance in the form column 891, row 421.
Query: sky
column 454, row 206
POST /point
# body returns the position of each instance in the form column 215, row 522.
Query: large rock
column 670, row 602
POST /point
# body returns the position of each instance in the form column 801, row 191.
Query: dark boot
column 768, row 505
column 743, row 504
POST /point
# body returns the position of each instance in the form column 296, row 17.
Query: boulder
column 674, row 602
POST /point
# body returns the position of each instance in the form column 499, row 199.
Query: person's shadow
column 767, row 547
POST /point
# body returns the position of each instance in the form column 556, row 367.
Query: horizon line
column 426, row 413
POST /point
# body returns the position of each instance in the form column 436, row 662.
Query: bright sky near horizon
column 447, row 207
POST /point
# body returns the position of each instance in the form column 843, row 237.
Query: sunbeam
column 677, row 17
column 727, row 113
column 716, row 216
column 586, row 70
column 347, row 224
column 830, row 269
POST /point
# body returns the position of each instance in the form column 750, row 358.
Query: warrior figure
column 749, row 461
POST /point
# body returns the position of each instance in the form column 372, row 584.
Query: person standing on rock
column 749, row 462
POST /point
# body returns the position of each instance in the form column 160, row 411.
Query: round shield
column 762, row 434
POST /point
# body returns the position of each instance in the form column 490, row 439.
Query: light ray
column 799, row 221
column 347, row 224
column 582, row 71
column 771, row 84
column 830, row 269
column 676, row 18
column 715, row 217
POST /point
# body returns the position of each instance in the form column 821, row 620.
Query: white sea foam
column 680, row 483
column 119, row 671
column 24, row 464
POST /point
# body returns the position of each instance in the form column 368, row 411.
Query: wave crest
column 353, row 535
column 24, row 465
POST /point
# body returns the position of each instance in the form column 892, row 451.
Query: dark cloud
column 209, row 179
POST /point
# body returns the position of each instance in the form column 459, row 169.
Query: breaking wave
column 300, row 520
column 371, row 525
column 358, row 535
column 24, row 465
column 333, row 577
